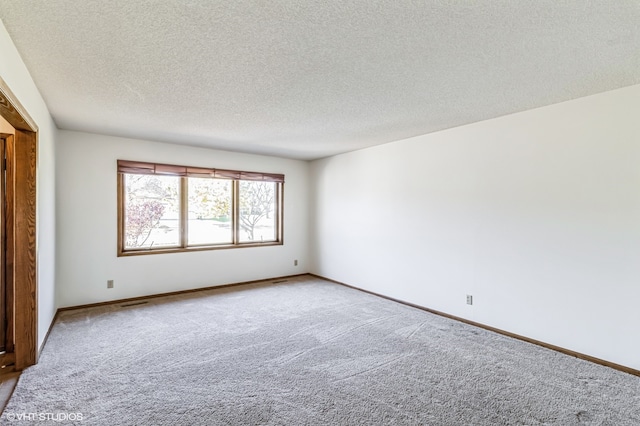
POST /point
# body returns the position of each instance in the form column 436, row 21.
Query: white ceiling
column 311, row 78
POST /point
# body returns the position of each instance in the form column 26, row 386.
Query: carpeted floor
column 306, row 352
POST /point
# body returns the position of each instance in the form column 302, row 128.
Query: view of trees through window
column 153, row 209
column 257, row 211
column 210, row 211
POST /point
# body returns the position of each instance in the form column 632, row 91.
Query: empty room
column 320, row 212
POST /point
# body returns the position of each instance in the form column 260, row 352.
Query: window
column 257, row 211
column 165, row 208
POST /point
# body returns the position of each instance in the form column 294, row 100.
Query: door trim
column 7, row 245
column 24, row 257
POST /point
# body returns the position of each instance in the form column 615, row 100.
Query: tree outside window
column 151, row 211
column 166, row 208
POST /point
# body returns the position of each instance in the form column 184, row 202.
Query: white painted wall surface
column 17, row 77
column 536, row 214
column 87, row 223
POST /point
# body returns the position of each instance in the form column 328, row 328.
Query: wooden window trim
column 184, row 172
column 184, row 214
column 140, row 168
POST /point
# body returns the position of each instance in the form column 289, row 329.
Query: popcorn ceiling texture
column 308, row 79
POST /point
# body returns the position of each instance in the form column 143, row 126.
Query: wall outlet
column 295, row 262
column 109, row 283
column 469, row 299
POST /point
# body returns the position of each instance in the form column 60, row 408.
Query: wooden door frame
column 22, row 262
column 7, row 246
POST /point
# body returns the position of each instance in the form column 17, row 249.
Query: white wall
column 87, row 223
column 16, row 76
column 536, row 214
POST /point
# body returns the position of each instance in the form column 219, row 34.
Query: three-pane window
column 164, row 208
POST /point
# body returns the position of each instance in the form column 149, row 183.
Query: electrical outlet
column 469, row 299
column 109, row 283
column 295, row 262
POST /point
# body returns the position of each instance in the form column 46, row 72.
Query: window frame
column 125, row 167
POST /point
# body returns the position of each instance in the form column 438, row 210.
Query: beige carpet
column 306, row 352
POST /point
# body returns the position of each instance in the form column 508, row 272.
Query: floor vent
column 133, row 304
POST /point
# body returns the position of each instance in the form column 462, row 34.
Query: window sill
column 124, row 253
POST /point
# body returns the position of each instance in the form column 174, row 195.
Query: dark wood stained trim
column 143, row 168
column 13, row 111
column 120, row 207
column 7, row 362
column 184, row 212
column 21, row 268
column 582, row 356
column 9, row 244
column 25, row 279
column 196, row 248
column 5, row 302
column 280, row 212
column 235, row 212
column 176, row 293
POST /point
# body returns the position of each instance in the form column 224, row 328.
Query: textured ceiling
column 308, row 79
